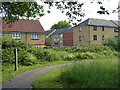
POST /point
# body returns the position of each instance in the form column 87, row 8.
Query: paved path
column 26, row 79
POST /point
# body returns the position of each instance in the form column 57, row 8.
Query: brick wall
column 68, row 39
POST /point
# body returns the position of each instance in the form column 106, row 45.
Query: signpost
column 16, row 62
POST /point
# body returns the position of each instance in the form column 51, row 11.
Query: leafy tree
column 13, row 10
column 61, row 24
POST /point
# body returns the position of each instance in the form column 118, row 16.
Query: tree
column 13, row 10
column 61, row 24
column 48, row 42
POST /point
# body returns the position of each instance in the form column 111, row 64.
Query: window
column 116, row 36
column 35, row 36
column 79, row 38
column 54, row 39
column 58, row 39
column 95, row 27
column 16, row 36
column 61, row 41
column 102, row 28
column 38, row 45
column 80, row 29
column 61, row 35
column 115, row 29
column 102, row 37
column 46, row 36
column 94, row 37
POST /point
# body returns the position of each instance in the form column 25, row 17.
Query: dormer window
column 16, row 36
column 35, row 36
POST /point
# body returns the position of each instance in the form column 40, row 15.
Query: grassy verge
column 100, row 73
column 8, row 69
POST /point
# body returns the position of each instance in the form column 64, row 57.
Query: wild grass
column 8, row 69
column 99, row 73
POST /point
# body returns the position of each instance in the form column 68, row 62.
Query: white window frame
column 16, row 35
column 61, row 35
column 34, row 36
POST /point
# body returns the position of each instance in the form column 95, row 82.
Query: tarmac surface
column 25, row 80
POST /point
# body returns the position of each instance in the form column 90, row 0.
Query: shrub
column 26, row 58
column 8, row 56
column 113, row 42
column 8, row 42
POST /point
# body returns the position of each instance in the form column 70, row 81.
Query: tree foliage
column 12, row 11
column 60, row 24
column 73, row 10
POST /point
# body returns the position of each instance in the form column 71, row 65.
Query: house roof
column 98, row 22
column 60, row 31
column 48, row 32
column 25, row 26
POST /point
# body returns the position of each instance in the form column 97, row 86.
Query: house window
column 103, row 37
column 102, row 28
column 115, row 29
column 79, row 38
column 94, row 37
column 38, row 45
column 16, row 36
column 61, row 41
column 116, row 36
column 54, row 39
column 61, row 35
column 46, row 36
column 80, row 29
column 35, row 36
column 58, row 39
column 95, row 27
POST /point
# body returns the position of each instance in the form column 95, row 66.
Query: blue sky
column 90, row 12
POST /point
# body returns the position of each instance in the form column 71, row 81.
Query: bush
column 113, row 42
column 26, row 58
column 8, row 42
column 8, row 56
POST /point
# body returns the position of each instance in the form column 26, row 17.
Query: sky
column 90, row 12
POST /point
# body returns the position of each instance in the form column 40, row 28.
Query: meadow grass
column 9, row 73
column 99, row 73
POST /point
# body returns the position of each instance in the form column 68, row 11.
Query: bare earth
column 26, row 79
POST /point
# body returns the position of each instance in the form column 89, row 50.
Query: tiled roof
column 48, row 32
column 98, row 22
column 60, row 31
column 25, row 26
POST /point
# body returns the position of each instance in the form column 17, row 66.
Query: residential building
column 94, row 31
column 60, row 37
column 29, row 31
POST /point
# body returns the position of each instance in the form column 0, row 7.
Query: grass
column 99, row 73
column 9, row 73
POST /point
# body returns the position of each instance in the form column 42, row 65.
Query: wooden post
column 16, row 62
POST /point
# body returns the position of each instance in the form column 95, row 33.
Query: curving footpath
column 26, row 79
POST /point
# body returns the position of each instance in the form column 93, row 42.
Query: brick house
column 94, row 31
column 60, row 37
column 29, row 31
